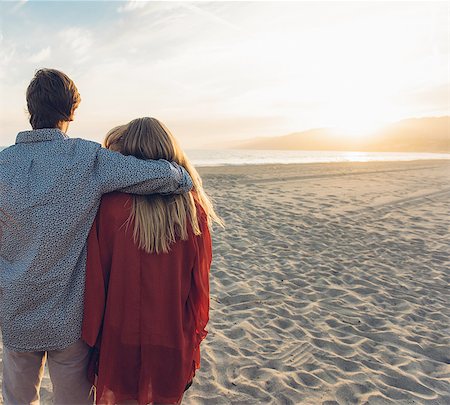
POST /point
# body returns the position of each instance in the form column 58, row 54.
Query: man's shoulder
column 71, row 146
column 84, row 143
column 78, row 147
column 5, row 151
column 8, row 155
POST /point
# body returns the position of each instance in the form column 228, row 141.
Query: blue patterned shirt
column 50, row 190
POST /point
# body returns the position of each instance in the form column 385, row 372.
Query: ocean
column 229, row 157
column 255, row 157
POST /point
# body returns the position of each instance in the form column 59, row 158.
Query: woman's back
column 154, row 307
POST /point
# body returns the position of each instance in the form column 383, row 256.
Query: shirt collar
column 40, row 135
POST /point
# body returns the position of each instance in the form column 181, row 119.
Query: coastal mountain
column 409, row 135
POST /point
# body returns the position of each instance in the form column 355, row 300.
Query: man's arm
column 115, row 171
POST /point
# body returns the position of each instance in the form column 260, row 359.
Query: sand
column 330, row 285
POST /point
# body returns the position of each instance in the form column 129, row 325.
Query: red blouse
column 145, row 314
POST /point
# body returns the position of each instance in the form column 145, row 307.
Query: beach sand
column 330, row 285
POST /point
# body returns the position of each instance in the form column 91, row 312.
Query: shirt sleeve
column 115, row 171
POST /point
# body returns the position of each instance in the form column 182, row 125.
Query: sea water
column 234, row 157
column 255, row 157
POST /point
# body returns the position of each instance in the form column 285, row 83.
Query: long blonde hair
column 159, row 220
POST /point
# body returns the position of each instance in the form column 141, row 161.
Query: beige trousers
column 22, row 375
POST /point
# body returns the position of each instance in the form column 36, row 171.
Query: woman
column 147, row 280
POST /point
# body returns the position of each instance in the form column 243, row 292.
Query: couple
column 113, row 290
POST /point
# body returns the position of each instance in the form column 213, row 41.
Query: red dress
column 145, row 314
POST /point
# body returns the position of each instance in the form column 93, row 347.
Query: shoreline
column 299, row 171
column 238, row 165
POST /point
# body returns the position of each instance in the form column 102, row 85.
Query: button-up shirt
column 50, row 190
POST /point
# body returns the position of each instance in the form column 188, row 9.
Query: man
column 50, row 190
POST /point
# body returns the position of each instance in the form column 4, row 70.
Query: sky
column 218, row 72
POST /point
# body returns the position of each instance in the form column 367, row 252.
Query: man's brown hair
column 51, row 97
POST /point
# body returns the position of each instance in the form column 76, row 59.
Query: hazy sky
column 221, row 71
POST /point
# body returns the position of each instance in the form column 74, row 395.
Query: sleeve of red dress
column 199, row 293
column 94, row 295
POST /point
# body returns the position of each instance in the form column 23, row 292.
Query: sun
column 358, row 115
column 361, row 126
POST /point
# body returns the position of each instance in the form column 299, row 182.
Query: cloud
column 210, row 62
column 40, row 56
column 210, row 16
column 19, row 4
column 132, row 5
column 77, row 40
column 7, row 52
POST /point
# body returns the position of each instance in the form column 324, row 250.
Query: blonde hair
column 159, row 220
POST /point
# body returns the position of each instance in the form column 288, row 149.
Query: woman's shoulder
column 115, row 204
column 115, row 196
column 201, row 213
column 202, row 217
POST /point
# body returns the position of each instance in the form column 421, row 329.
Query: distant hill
column 409, row 135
